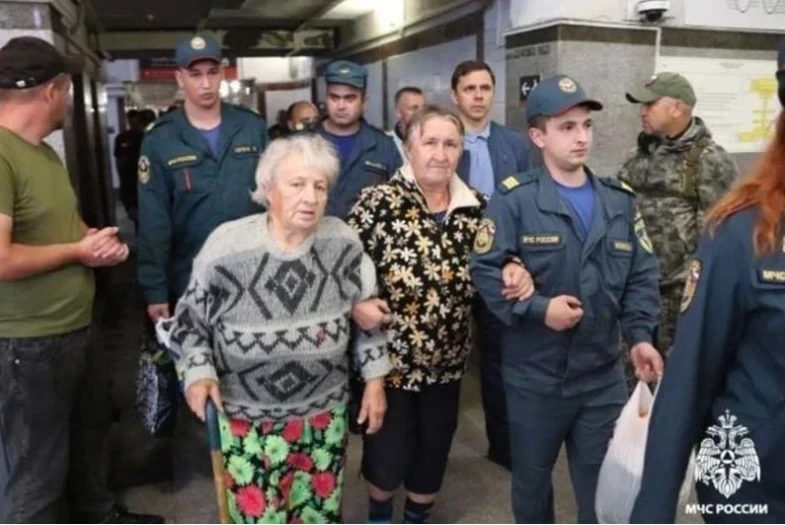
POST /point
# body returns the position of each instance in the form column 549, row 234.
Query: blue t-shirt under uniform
column 211, row 136
column 581, row 203
column 344, row 144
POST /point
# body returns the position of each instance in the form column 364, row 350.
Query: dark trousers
column 39, row 378
column 413, row 445
column 539, row 424
column 488, row 335
column 88, row 474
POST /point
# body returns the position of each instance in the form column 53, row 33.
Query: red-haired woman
column 724, row 386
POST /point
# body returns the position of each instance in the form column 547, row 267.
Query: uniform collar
column 461, row 196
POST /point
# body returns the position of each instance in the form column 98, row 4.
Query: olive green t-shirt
column 36, row 193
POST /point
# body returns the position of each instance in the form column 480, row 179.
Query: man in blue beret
column 368, row 155
column 581, row 238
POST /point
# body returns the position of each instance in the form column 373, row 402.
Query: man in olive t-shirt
column 46, row 283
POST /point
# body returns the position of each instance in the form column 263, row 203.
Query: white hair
column 317, row 153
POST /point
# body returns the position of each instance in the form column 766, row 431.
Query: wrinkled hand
column 563, row 313
column 518, row 283
column 158, row 311
column 374, row 405
column 197, row 395
column 371, row 314
column 647, row 362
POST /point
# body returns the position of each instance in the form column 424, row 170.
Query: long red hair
column 764, row 187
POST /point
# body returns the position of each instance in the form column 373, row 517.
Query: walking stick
column 217, row 460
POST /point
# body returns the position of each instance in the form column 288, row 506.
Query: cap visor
column 642, row 95
column 588, row 102
column 196, row 59
column 356, row 85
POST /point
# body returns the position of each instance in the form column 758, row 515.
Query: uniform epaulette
column 157, row 123
column 617, row 184
column 511, row 182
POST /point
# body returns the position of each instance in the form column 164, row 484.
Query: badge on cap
column 344, row 71
column 198, row 43
column 568, row 85
column 652, row 80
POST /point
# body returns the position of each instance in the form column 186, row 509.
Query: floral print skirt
column 287, row 472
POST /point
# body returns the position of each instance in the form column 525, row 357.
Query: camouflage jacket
column 676, row 181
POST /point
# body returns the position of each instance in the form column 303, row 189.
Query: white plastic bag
column 622, row 469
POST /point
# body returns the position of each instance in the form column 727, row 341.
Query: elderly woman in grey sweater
column 263, row 329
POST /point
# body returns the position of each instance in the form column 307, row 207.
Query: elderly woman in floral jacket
column 419, row 229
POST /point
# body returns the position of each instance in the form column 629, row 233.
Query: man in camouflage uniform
column 678, row 172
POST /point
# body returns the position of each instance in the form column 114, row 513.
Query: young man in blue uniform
column 196, row 172
column 584, row 244
column 490, row 153
column 368, row 155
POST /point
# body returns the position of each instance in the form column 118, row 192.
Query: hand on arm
column 518, row 283
column 371, row 314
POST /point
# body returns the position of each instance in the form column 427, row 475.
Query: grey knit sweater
column 274, row 327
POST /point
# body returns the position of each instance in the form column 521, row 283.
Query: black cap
column 556, row 95
column 27, row 62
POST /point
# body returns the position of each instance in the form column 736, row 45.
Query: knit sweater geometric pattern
column 273, row 327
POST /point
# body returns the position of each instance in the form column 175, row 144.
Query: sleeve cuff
column 533, row 308
column 197, row 373
column 639, row 335
column 156, row 296
column 370, row 354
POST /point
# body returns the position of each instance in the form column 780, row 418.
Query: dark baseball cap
column 28, row 61
column 346, row 72
column 195, row 49
column 555, row 95
column 661, row 85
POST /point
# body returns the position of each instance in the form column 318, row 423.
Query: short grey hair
column 427, row 113
column 317, row 152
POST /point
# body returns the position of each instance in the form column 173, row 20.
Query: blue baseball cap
column 346, row 72
column 197, row 48
column 555, row 95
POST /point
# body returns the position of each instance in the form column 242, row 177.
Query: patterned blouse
column 422, row 262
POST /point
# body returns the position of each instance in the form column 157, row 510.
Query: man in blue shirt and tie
column 491, row 153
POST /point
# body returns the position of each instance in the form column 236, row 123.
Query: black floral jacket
column 423, row 269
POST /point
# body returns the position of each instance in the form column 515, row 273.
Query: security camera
column 652, row 10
